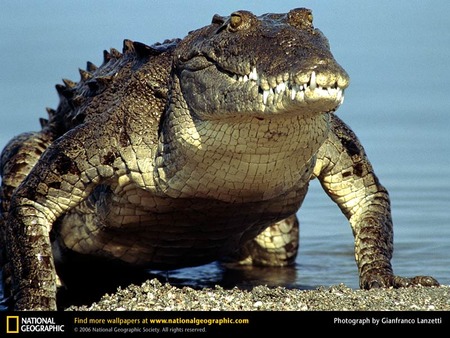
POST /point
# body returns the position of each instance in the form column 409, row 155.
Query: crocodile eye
column 235, row 21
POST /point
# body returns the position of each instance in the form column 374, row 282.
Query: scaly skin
column 187, row 152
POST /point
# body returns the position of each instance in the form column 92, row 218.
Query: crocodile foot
column 377, row 279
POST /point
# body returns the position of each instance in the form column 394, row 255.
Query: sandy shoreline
column 152, row 295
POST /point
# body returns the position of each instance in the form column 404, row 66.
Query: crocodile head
column 274, row 63
column 248, row 104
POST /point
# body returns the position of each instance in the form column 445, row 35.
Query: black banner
column 213, row 323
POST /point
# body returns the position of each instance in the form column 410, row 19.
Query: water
column 397, row 54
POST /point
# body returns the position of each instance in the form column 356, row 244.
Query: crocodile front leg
column 348, row 178
column 64, row 176
column 30, row 255
column 17, row 159
column 373, row 255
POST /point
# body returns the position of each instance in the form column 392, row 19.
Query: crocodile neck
column 241, row 159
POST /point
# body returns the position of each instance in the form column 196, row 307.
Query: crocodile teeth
column 312, row 81
column 266, row 94
column 293, row 92
column 289, row 87
column 281, row 87
column 253, row 75
column 243, row 78
column 339, row 96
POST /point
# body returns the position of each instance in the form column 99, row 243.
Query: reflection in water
column 90, row 285
column 243, row 277
column 249, row 276
column 86, row 284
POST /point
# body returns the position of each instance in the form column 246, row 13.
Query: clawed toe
column 376, row 281
column 424, row 281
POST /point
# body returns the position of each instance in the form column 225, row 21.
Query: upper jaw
column 317, row 88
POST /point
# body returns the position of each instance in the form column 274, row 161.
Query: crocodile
column 191, row 151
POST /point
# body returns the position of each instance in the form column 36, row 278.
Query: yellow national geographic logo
column 12, row 324
column 25, row 324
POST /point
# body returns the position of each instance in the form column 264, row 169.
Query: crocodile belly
column 189, row 233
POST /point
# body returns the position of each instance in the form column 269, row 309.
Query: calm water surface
column 398, row 103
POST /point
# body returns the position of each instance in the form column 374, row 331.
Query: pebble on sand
column 152, row 295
